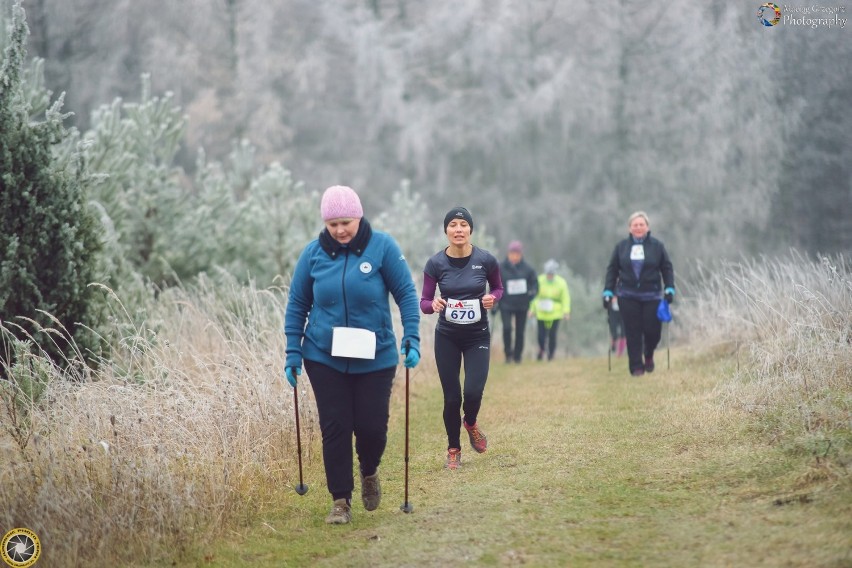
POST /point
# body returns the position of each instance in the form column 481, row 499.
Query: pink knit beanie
column 340, row 202
column 516, row 246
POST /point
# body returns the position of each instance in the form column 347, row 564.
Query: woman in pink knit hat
column 338, row 324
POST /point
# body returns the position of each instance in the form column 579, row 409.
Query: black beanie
column 458, row 213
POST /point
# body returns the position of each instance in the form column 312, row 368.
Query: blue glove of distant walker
column 669, row 295
column 607, row 298
column 291, row 376
column 411, row 358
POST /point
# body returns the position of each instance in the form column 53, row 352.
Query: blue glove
column 291, row 377
column 607, row 298
column 669, row 293
column 411, row 358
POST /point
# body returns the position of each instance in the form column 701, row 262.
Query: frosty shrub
column 130, row 151
column 48, row 237
column 253, row 227
column 164, row 227
column 789, row 320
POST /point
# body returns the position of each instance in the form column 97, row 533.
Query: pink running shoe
column 453, row 458
column 477, row 438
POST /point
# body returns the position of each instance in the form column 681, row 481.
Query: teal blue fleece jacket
column 350, row 288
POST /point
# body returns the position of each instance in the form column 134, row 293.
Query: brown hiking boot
column 341, row 513
column 371, row 491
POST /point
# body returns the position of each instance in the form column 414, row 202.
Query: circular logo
column 20, row 548
column 769, row 14
column 366, row 267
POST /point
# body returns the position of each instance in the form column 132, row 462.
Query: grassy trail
column 585, row 467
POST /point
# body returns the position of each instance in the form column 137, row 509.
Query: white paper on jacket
column 516, row 286
column 353, row 342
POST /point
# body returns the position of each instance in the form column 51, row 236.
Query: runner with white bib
column 463, row 311
column 521, row 283
column 339, row 326
column 551, row 304
column 469, row 281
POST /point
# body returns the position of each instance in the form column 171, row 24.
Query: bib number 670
column 463, row 315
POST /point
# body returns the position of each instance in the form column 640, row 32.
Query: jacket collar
column 642, row 240
column 356, row 245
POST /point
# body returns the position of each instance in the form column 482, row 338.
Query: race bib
column 463, row 311
column 637, row 252
column 353, row 342
column 516, row 286
column 545, row 305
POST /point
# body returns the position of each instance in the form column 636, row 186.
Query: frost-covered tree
column 252, row 224
column 815, row 173
column 48, row 238
column 405, row 219
column 168, row 228
column 277, row 218
column 131, row 151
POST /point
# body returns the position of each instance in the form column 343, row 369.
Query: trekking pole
column 609, row 349
column 668, row 341
column 301, row 489
column 406, row 507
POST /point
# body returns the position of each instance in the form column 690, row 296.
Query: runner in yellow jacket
column 551, row 305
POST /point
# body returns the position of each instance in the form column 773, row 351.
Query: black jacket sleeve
column 612, row 270
column 532, row 283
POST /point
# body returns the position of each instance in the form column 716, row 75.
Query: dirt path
column 585, row 467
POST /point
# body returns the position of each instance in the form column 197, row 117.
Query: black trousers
column 642, row 330
column 351, row 404
column 547, row 333
column 616, row 325
column 474, row 346
column 519, row 319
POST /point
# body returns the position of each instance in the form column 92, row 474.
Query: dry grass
column 184, row 431
column 790, row 322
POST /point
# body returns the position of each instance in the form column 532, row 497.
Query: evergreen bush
column 49, row 241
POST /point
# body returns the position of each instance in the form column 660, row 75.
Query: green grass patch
column 585, row 467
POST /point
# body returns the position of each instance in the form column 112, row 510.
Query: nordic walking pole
column 301, row 489
column 668, row 341
column 406, row 507
column 608, row 349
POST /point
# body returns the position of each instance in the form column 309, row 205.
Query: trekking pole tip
column 406, row 507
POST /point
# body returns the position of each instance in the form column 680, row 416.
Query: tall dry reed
column 188, row 427
column 789, row 320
